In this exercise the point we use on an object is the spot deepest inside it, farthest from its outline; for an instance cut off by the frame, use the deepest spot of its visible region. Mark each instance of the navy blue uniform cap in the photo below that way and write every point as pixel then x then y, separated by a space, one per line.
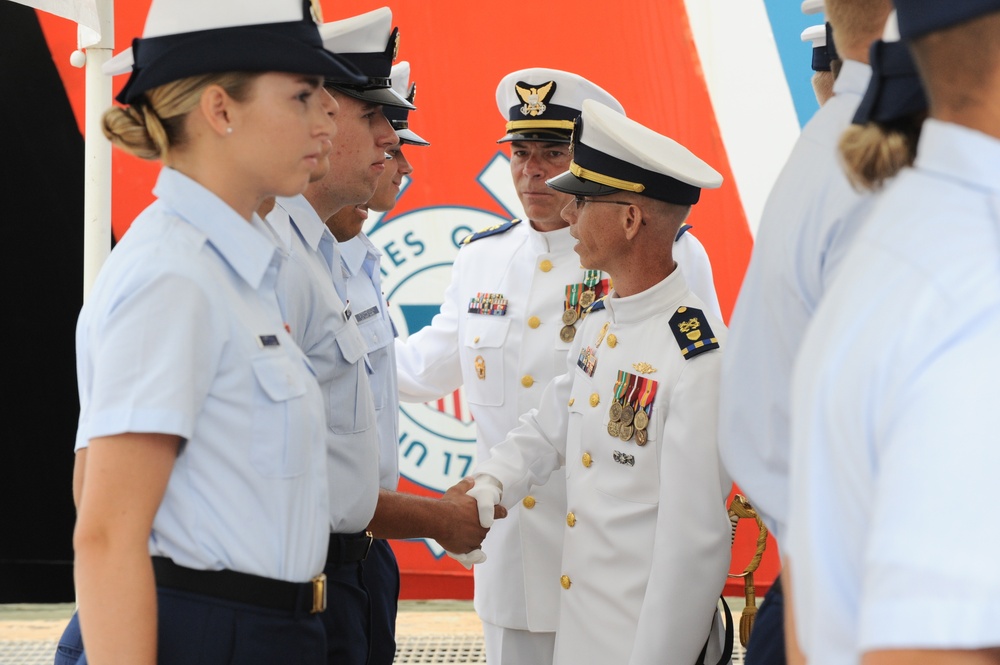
pixel 919 17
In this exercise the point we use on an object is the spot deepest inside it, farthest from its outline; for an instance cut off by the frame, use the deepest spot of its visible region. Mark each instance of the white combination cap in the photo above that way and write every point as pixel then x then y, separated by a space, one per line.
pixel 813 6
pixel 370 43
pixel 397 115
pixel 541 104
pixel 184 38
pixel 612 153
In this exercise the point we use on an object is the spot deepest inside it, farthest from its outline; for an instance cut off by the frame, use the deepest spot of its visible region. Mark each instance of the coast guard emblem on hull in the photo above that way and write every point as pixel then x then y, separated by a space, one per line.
pixel 534 97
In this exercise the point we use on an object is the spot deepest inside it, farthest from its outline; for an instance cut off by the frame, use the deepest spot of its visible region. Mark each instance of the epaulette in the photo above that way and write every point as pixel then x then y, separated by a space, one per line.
pixel 491 231
pixel 693 334
pixel 595 306
pixel 684 229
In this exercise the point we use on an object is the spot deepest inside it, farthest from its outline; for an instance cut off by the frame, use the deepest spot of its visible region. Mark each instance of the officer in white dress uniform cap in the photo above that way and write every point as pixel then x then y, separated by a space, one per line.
pixel 517 296
pixel 201 420
pixel 505 358
pixel 894 417
pixel 634 417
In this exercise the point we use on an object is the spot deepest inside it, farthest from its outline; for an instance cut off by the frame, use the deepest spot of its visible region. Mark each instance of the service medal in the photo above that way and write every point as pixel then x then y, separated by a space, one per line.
pixel 628 413
pixel 641 437
pixel 625 432
pixel 567 333
pixel 615 412
pixel 613 428
pixel 588 298
pixel 570 316
pixel 641 420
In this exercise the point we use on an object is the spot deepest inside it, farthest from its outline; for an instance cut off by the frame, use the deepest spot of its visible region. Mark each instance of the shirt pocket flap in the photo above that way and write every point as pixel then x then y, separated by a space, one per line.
pixel 352 344
pixel 278 378
pixel 486 332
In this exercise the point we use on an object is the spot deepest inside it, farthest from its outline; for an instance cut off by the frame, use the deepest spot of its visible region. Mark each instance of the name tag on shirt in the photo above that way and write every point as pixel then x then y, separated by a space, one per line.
pixel 268 340
pixel 367 314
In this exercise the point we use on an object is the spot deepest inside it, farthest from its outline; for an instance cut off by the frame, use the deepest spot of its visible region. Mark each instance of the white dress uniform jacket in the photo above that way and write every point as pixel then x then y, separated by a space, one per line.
pixel 895 419
pixel 182 335
pixel 361 266
pixel 804 217
pixel 646 533
pixel 520 352
pixel 323 324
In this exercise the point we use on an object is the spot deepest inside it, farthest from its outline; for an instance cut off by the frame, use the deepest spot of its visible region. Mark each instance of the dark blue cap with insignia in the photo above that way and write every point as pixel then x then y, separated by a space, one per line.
pixel 920 17
pixel 184 38
pixel 541 104
pixel 612 153
pixel 370 43
pixel 894 90
pixel 397 115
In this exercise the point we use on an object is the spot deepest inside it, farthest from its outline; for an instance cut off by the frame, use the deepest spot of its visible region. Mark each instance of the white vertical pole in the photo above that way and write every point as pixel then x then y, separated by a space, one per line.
pixel 97 152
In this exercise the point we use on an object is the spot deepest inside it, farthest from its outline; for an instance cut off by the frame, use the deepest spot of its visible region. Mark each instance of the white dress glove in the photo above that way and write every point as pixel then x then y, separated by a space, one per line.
pixel 468 559
pixel 486 492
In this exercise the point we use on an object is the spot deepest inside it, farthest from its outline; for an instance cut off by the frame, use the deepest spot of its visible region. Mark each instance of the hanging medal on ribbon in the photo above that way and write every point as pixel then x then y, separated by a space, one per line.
pixel 627 429
pixel 571 313
pixel 641 419
pixel 615 412
pixel 590 281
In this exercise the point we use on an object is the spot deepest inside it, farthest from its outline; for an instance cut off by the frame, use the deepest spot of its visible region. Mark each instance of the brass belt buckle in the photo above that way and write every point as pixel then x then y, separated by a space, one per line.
pixel 319 593
pixel 371 539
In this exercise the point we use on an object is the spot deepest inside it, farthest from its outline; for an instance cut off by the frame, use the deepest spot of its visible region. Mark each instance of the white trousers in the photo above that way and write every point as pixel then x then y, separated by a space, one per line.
pixel 508 646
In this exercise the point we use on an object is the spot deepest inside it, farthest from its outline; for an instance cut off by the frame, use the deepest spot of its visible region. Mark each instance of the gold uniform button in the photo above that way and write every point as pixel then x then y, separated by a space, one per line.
pixel 475 340
pixel 571 519
pixel 534 322
pixel 527 381
pixel 612 341
pixel 595 399
pixel 571 400
pixel 565 581
pixel 587 459
pixel 528 502
pixel 545 265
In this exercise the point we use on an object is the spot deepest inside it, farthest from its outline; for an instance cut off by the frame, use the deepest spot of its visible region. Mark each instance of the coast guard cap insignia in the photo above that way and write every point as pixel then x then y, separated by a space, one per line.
pixel 692 332
pixel 534 97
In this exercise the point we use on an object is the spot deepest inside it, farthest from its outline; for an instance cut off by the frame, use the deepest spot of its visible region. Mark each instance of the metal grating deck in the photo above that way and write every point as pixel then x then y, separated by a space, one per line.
pixel 409 649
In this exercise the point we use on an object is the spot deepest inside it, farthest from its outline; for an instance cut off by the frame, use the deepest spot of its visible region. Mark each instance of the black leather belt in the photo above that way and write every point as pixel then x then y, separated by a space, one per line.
pixel 243 588
pixel 348 547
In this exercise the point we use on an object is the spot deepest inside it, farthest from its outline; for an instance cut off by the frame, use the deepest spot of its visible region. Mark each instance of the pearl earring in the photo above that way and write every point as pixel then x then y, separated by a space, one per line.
pixel 229 130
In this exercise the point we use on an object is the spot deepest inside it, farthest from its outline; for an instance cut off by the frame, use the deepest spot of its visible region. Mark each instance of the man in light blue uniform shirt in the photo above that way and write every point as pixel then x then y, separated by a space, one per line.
pixel 453 519
pixel 781 289
pixel 319 313
pixel 891 549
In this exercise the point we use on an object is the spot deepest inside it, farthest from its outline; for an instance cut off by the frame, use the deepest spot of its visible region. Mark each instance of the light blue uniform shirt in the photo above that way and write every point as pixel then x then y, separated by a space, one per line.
pixel 361 265
pixel 182 335
pixel 324 324
pixel 895 419
pixel 803 216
